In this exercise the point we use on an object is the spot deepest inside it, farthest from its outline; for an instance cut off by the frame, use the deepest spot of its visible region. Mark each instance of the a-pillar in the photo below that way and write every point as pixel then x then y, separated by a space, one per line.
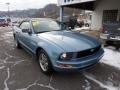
pixel 61 16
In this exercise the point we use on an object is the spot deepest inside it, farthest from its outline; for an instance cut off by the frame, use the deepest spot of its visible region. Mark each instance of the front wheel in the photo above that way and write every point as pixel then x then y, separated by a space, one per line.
pixel 44 62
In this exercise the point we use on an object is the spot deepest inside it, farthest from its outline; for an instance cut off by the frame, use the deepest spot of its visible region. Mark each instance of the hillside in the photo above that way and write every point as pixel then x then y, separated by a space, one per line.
pixel 50 10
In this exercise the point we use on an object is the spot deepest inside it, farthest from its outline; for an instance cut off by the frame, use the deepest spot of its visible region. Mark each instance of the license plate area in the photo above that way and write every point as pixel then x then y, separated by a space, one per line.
pixel 114 37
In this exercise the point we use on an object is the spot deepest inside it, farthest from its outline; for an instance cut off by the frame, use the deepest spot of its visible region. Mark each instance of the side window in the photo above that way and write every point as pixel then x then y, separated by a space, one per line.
pixel 25 26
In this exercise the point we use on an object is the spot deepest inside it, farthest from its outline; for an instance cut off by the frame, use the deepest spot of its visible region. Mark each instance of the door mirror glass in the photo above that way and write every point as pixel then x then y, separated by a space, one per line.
pixel 25 30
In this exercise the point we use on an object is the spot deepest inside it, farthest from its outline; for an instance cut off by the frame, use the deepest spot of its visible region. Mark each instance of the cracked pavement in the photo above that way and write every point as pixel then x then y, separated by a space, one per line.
pixel 20 71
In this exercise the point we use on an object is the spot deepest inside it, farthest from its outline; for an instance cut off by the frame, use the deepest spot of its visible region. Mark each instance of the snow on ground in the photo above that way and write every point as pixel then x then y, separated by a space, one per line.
pixel 111 57
pixel 108 86
pixel 87 86
pixel 82 28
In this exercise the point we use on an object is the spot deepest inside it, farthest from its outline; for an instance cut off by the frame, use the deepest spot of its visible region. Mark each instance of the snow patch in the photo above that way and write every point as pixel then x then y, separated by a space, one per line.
pixel 18 62
pixel 109 85
pixel 8 34
pixel 10 56
pixel 82 28
pixel 111 58
pixel 87 85
pixel 2 67
pixel 5 82
pixel 49 86
pixel 29 86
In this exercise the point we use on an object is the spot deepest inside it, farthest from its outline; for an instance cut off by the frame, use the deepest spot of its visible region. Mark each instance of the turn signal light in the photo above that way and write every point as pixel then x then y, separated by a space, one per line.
pixel 65 65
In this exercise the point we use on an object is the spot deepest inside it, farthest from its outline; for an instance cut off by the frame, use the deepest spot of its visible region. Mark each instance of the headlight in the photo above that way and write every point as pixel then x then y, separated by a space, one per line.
pixel 66 56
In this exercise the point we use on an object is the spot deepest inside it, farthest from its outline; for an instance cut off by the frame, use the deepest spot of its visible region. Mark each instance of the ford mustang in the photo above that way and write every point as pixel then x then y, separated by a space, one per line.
pixel 57 49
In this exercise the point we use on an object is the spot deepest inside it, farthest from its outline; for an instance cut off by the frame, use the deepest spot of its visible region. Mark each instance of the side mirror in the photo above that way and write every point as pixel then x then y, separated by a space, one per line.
pixel 25 30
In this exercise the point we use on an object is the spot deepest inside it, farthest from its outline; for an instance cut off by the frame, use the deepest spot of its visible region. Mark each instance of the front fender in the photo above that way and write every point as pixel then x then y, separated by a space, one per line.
pixel 51 49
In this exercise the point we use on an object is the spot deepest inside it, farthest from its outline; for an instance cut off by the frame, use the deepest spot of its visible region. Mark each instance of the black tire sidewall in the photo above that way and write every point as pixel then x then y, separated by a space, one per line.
pixel 17 43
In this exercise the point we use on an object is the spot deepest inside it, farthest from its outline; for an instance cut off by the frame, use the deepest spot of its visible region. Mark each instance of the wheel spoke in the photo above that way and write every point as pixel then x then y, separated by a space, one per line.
pixel 43 62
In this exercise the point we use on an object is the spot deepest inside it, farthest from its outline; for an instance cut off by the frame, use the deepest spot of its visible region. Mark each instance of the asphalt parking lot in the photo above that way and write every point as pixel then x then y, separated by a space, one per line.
pixel 20 71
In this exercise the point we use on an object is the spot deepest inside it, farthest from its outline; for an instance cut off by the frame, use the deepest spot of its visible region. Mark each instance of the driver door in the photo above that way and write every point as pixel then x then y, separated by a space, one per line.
pixel 24 35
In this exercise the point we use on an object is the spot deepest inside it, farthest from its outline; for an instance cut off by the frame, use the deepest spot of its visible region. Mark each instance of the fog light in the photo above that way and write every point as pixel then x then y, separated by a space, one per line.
pixel 70 66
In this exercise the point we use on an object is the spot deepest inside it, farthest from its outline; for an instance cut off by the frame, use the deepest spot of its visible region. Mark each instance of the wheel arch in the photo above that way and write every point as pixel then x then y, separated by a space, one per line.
pixel 41 48
pixel 38 49
pixel 14 35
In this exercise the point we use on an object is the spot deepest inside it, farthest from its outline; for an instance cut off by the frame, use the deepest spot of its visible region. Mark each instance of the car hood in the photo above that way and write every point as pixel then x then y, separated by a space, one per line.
pixel 70 41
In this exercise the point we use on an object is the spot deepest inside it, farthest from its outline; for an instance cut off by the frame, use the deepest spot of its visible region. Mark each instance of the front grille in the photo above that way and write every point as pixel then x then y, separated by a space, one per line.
pixel 88 52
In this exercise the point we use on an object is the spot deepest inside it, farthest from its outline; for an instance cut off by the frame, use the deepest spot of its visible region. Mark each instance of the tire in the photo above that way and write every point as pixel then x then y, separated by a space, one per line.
pixel 117 47
pixel 17 44
pixel 44 62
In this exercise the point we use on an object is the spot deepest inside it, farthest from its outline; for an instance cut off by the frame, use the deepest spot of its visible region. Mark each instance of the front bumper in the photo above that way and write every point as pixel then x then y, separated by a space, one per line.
pixel 79 64
pixel 109 37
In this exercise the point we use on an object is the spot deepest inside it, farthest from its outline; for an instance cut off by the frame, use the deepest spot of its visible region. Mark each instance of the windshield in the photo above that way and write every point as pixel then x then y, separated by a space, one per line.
pixel 45 26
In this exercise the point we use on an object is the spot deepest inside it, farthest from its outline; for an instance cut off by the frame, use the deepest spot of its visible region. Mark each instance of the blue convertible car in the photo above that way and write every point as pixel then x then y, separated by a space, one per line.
pixel 56 49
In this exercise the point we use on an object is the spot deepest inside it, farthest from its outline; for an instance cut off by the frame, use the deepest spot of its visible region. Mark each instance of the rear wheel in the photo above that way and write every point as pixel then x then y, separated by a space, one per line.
pixel 44 62
pixel 17 44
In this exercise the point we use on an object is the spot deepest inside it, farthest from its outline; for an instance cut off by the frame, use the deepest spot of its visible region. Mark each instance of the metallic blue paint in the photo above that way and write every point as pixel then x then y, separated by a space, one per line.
pixel 57 42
